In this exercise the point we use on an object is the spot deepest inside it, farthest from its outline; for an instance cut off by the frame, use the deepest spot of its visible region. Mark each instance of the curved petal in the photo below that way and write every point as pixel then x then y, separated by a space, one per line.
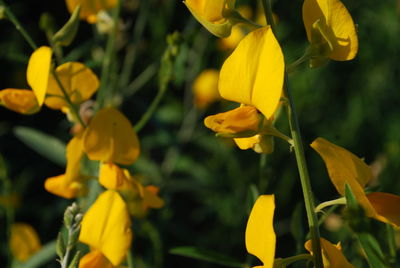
pixel 209 10
pixel 387 207
pixel 19 100
pixel 260 234
pixel 344 167
pixel 24 241
pixel 244 118
pixel 94 259
pixel 110 138
pixel 106 227
pixel 90 8
pixel 62 185
pixel 38 72
pixel 338 24
pixel 253 73
pixel 333 256
pixel 79 82
pixel 112 176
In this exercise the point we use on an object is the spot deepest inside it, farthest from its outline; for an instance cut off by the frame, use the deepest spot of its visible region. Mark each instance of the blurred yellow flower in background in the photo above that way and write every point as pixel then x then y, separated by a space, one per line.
pixel 90 8
pixel 205 88
pixel 346 168
pixel 24 241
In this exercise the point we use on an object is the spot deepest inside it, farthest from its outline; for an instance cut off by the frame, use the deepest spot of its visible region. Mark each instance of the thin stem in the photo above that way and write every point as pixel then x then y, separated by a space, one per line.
pixel 18 25
pixel 287 261
pixel 67 99
pixel 300 158
pixel 339 201
pixel 306 56
pixel 108 58
pixel 263 183
pixel 391 243
pixel 130 260
pixel 153 106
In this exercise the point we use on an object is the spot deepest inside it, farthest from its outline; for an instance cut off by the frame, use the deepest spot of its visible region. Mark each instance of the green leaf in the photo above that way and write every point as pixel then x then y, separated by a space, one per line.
pixel 351 200
pixel 374 254
pixel 44 255
pixel 206 255
pixel 45 145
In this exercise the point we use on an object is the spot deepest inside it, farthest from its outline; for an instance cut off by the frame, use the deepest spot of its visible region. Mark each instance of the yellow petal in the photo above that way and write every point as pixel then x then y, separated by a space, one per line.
pixel 253 73
pixel 260 234
pixel 110 138
pixel 333 256
pixel 111 176
pixel 19 100
pixel 90 8
pixel 244 118
pixel 94 259
pixel 337 23
pixel 344 167
pixel 79 82
pixel 205 88
pixel 210 10
pixel 38 72
pixel 24 241
pixel 70 184
pixel 262 144
pixel 387 207
pixel 106 227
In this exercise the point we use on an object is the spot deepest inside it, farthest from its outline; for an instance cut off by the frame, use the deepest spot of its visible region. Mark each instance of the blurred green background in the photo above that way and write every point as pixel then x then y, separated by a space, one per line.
pixel 209 184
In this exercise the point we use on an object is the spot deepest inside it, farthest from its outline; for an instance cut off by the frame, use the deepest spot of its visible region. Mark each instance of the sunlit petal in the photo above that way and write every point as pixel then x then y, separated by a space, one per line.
pixel 19 100
pixel 95 259
pixel 260 234
pixel 106 227
pixel 253 73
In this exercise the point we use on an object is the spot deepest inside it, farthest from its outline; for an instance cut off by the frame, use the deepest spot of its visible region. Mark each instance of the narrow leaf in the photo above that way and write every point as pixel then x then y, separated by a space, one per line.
pixel 48 146
pixel 44 255
pixel 206 255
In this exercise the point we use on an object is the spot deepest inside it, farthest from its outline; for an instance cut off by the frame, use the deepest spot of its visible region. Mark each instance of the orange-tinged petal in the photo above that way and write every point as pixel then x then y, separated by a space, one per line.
pixel 94 259
pixel 90 8
pixel 70 184
pixel 333 256
pixel 337 23
pixel 253 73
pixel 111 176
pixel 38 72
pixel 344 167
pixel 387 207
pixel 151 198
pixel 260 234
pixel 205 88
pixel 244 118
pixel 19 100
pixel 79 82
pixel 106 227
pixel 24 241
pixel 110 138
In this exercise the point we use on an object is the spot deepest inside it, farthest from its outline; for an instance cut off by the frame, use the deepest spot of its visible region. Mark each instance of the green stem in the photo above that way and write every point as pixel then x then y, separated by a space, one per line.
pixel 145 118
pixel 300 158
pixel 108 58
pixel 130 260
pixel 18 25
pixel 306 56
pixel 67 99
pixel 339 201
pixel 287 261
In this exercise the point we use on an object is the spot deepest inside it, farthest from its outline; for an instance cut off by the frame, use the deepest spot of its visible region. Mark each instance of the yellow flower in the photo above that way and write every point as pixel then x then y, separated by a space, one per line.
pixel 346 168
pixel 79 82
pixel 332 254
pixel 205 88
pixel 24 241
pixel 330 29
pixel 138 198
pixel 110 138
pixel 106 227
pixel 90 8
pixel 95 259
pixel 70 184
pixel 253 76
pixel 26 101
pixel 19 100
pixel 212 14
pixel 260 234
